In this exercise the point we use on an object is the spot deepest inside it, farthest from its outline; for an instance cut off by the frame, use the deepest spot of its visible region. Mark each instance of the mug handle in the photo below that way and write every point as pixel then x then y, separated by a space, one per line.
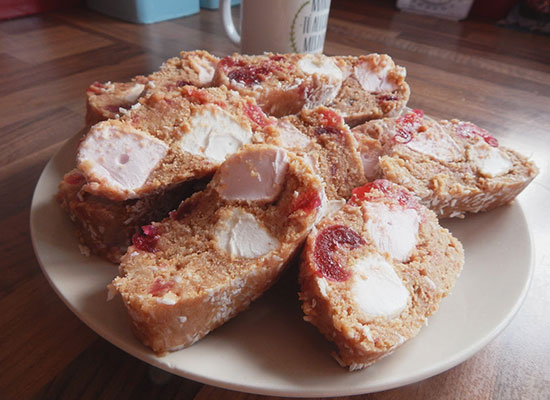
pixel 227 21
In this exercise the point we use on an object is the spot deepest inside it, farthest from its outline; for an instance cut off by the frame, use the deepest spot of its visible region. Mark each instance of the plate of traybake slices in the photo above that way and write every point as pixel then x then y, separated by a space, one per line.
pixel 202 290
pixel 269 349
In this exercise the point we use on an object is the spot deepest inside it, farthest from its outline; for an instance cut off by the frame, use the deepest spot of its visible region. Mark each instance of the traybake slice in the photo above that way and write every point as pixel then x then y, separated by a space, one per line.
pixel 373 87
pixel 221 249
pixel 106 100
pixel 361 88
pixel 454 167
pixel 166 139
pixel 373 272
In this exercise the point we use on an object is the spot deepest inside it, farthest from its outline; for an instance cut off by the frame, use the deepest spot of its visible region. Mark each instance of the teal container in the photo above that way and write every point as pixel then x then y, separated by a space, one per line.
pixel 145 11
pixel 215 4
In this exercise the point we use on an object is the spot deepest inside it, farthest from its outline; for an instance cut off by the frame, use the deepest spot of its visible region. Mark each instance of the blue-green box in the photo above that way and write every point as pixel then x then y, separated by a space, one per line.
pixel 215 4
pixel 145 11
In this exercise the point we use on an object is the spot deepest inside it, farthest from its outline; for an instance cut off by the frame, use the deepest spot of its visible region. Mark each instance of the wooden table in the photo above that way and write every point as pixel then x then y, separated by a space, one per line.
pixel 472 70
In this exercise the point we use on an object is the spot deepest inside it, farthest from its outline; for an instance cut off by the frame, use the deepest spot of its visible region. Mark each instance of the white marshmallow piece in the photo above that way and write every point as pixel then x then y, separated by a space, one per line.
pixel 320 64
pixel 119 157
pixel 490 161
pixel 133 93
pixel 253 175
pixel 168 298
pixel 373 81
pixel 328 207
pixel 239 234
pixel 327 78
pixel 214 134
pixel 324 288
pixel 333 206
pixel 394 230
pixel 291 138
pixel 204 68
pixel 370 158
pixel 370 151
pixel 371 164
pixel 377 288
pixel 435 143
pixel 322 211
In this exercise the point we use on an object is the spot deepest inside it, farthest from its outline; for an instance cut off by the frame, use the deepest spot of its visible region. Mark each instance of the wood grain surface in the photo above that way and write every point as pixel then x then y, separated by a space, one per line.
pixel 471 70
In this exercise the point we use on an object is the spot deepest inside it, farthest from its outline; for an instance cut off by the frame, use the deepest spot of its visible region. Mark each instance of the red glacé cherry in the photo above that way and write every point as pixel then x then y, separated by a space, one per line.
pixel 307 201
pixel 148 240
pixel 114 108
pixel 228 62
pixel 467 130
pixel 330 117
pixel 362 193
pixel 75 178
pixel 407 125
pixel 183 83
pixel 96 87
pixel 330 122
pixel 249 74
pixel 328 240
pixel 159 287
pixel 387 97
pixel 240 71
pixel 256 115
pixel 200 96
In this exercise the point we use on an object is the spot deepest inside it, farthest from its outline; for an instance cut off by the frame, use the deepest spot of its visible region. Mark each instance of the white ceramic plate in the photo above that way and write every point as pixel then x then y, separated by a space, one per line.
pixel 269 349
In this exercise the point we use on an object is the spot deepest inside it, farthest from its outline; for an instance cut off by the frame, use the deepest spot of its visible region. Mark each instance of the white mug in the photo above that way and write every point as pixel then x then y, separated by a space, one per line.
pixel 278 26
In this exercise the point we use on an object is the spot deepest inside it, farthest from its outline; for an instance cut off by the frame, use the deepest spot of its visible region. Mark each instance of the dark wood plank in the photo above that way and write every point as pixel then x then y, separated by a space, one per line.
pixel 11 65
pixel 27 146
pixel 165 39
pixel 27 24
pixel 69 91
pixel 36 46
pixel 39 336
pixel 108 373
pixel 50 70
pixel 15 245
pixel 458 37
pixel 28 136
